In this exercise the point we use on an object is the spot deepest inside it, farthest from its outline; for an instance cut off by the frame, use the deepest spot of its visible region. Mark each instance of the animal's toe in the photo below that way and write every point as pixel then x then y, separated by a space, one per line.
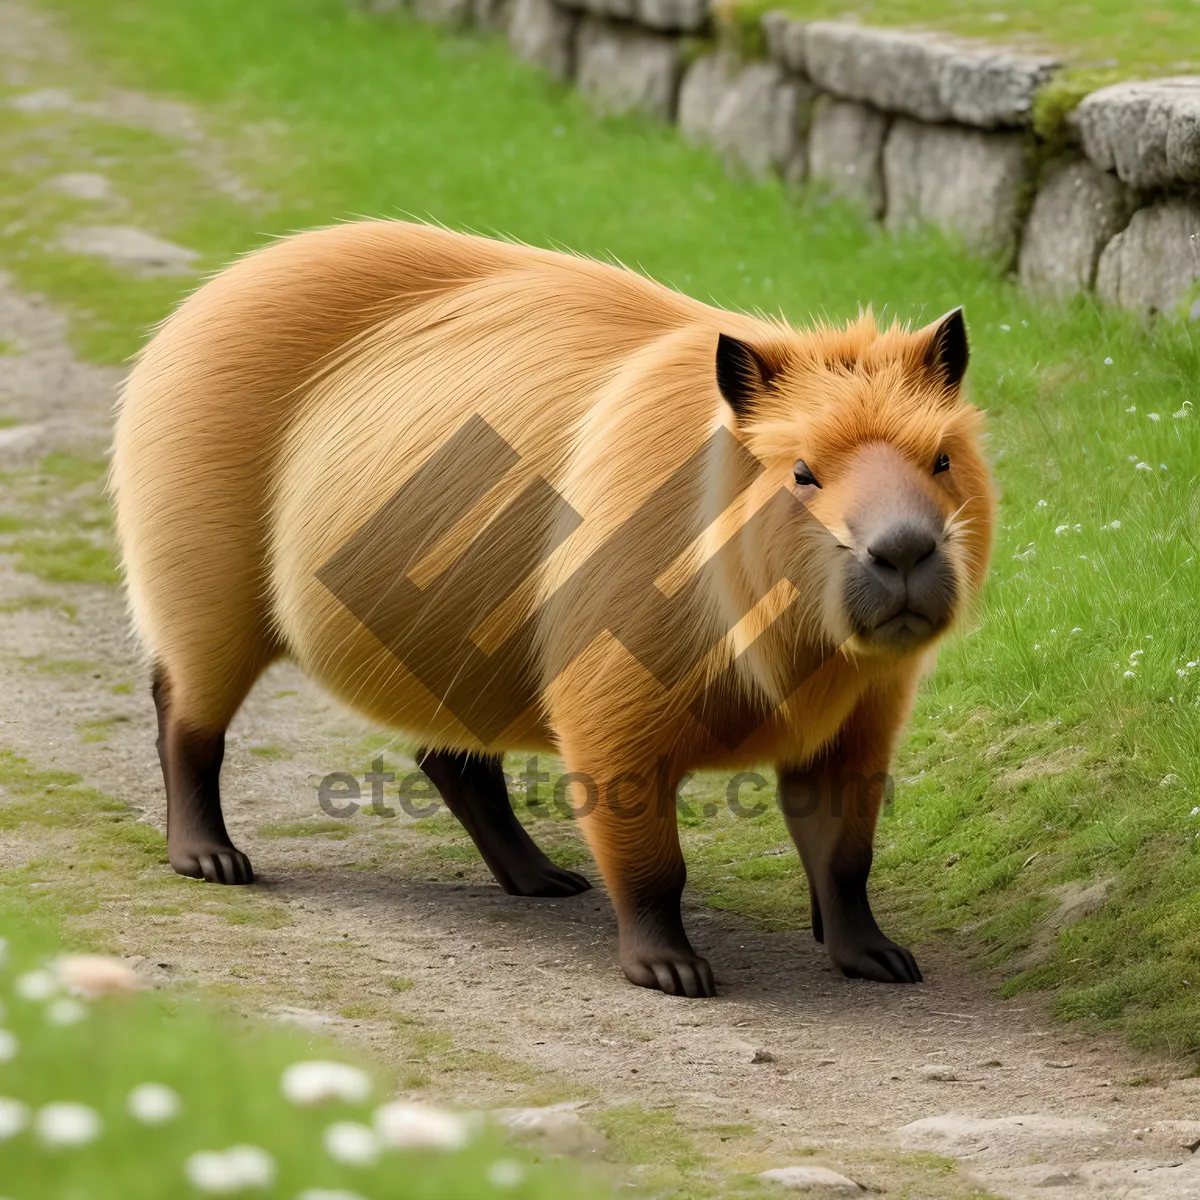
pixel 226 865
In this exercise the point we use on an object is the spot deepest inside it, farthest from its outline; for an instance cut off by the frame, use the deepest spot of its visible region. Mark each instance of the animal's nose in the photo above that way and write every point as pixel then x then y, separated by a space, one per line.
pixel 901 547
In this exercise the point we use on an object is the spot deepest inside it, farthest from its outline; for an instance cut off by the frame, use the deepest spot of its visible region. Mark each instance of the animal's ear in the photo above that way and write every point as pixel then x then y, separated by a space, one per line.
pixel 945 348
pixel 743 373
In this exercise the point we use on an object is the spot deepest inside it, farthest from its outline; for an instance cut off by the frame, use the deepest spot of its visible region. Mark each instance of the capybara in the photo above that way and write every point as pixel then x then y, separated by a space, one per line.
pixel 503 498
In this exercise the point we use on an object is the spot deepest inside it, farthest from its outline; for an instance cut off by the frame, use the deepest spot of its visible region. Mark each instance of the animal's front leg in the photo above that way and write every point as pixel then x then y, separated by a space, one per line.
pixel 831 807
pixel 629 820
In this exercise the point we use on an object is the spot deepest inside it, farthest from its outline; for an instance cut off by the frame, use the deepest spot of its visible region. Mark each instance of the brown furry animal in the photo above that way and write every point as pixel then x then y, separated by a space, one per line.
pixel 506 498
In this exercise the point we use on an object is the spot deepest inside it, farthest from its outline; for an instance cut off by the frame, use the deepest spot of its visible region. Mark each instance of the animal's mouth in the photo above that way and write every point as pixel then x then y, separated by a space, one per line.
pixel 902 630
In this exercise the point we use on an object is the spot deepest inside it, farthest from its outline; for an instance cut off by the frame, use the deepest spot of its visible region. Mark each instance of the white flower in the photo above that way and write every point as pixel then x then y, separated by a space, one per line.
pixel 65 1011
pixel 225 1172
pixel 1182 412
pixel 1059 529
pixel 328 1194
pixel 1108 362
pixel 67 1124
pixel 1130 675
pixel 1132 408
pixel 308 1083
pixel 1143 466
pixel 505 1173
pixel 1041 504
pixel 14 1116
pixel 1112 525
pixel 153 1103
pixel 1153 417
pixel 1006 328
pixel 36 986
pixel 94 975
pixel 1194 812
pixel 419 1126
pixel 1077 629
pixel 8 1045
pixel 351 1143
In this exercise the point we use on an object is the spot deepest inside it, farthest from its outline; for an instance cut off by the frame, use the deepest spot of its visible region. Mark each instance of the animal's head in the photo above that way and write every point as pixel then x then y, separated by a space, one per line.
pixel 871 433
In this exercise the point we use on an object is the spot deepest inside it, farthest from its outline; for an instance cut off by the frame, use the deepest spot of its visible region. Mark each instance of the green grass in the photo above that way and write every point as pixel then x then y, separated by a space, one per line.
pixel 994 809
pixel 227 1074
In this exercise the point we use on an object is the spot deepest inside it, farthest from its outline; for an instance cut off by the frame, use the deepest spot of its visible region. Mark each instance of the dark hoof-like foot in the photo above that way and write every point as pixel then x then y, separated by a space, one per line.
pixel 550 880
pixel 882 961
pixel 677 974
pixel 217 864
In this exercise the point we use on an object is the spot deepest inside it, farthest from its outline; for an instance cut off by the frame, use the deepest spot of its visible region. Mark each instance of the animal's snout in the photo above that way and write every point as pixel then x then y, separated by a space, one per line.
pixel 900 588
pixel 902 547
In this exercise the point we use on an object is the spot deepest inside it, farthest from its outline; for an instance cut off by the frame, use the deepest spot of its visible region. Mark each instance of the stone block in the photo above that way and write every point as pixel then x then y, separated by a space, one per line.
pixel 785 38
pixel 925 75
pixel 706 84
pixel 675 16
pixel 621 68
pixel 756 127
pixel 541 32
pixel 967 182
pixel 1148 133
pixel 1154 262
pixel 1078 210
pixel 845 151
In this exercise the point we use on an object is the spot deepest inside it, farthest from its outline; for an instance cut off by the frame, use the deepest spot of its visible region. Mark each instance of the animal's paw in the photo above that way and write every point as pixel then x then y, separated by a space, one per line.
pixel 674 972
pixel 214 864
pixel 879 959
pixel 547 880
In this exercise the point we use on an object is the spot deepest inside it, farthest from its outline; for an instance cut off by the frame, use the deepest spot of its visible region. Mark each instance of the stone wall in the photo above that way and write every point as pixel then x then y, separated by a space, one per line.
pixel 915 128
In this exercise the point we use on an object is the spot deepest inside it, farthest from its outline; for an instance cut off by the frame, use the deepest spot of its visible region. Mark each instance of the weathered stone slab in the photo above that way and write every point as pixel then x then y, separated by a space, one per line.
pixel 541 32
pixel 893 70
pixel 845 151
pixel 1148 133
pixel 1152 264
pixel 964 181
pixel 758 124
pixel 925 75
pixel 621 68
pixel 677 16
pixel 1077 212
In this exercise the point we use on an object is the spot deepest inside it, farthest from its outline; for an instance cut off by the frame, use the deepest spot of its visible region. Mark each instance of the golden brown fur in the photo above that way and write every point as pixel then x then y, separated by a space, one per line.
pixel 288 399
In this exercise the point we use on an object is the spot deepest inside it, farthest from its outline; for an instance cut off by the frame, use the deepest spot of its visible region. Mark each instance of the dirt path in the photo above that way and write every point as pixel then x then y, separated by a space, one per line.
pixel 388 932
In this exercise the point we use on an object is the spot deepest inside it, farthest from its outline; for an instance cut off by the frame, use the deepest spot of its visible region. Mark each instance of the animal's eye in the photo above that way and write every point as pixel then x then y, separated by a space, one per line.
pixel 804 477
pixel 941 464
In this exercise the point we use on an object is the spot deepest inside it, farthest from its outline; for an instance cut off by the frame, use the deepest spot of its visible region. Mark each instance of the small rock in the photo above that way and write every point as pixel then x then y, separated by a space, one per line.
pixel 553 1129
pixel 81 185
pixel 801 1179
pixel 1063 1065
pixel 762 1056
pixel 938 1072
pixel 43 100
pixel 129 248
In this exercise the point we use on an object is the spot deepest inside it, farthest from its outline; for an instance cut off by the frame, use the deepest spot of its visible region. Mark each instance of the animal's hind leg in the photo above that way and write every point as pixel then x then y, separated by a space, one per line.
pixel 198 844
pixel 475 792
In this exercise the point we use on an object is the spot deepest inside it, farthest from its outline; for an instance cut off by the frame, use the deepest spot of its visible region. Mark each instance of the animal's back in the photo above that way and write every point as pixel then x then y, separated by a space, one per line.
pixel 286 400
